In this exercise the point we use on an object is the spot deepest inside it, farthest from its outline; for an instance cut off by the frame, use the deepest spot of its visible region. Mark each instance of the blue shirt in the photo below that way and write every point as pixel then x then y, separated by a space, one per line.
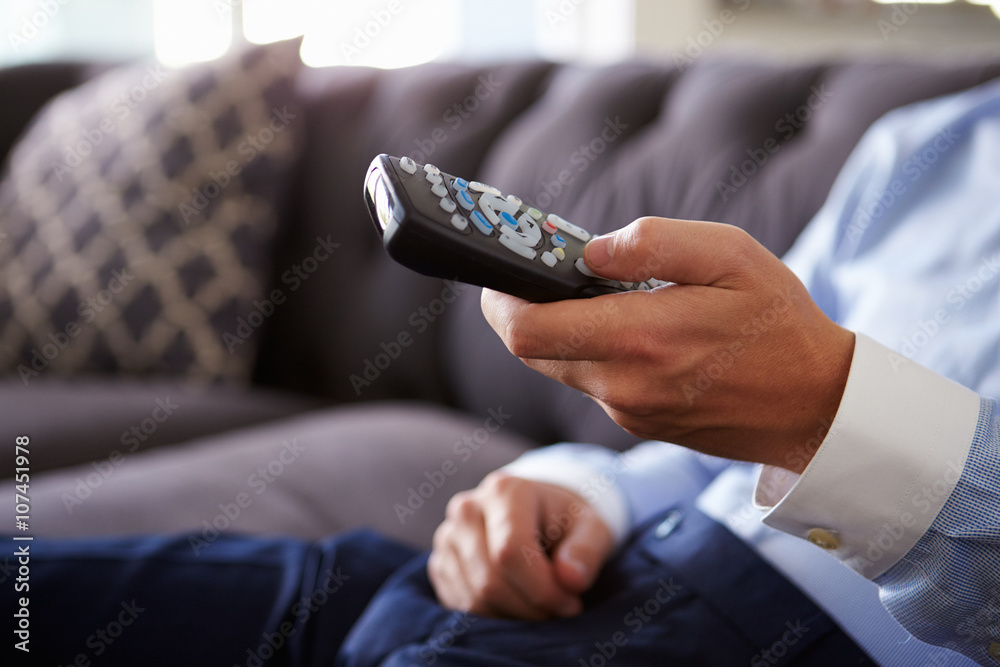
pixel 906 251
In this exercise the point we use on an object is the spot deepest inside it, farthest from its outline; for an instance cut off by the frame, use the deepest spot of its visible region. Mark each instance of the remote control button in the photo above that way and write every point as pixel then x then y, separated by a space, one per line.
pixel 516 201
pixel 581 266
pixel 549 259
pixel 480 222
pixel 465 200
pixel 535 213
pixel 524 251
pixel 448 205
pixel 440 190
pixel 431 169
pixel 569 228
pixel 527 232
pixel 653 283
pixel 459 222
pixel 434 179
pixel 549 227
pixel 558 241
pixel 531 232
pixel 559 254
pixel 492 205
pixel 507 219
pixel 408 165
pixel 460 184
pixel 476 186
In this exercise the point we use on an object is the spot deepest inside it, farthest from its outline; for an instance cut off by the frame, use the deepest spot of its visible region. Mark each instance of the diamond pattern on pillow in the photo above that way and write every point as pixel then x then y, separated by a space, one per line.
pixel 138 213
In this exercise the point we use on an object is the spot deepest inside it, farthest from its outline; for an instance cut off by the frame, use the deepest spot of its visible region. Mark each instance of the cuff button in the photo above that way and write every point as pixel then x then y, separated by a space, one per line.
pixel 669 524
pixel 994 651
pixel 824 539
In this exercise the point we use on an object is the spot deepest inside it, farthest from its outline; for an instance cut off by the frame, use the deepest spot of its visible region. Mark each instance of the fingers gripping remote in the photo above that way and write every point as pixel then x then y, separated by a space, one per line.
pixel 443 226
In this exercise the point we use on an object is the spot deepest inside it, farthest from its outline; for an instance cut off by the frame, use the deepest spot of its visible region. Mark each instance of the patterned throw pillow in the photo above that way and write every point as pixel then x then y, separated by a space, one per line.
pixel 137 214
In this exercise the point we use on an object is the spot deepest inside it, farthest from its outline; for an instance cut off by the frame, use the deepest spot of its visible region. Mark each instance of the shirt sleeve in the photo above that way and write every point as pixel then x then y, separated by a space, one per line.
pixel 624 488
pixel 946 589
pixel 887 465
pixel 905 489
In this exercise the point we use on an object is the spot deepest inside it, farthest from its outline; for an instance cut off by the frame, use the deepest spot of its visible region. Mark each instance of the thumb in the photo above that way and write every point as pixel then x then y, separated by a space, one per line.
pixel 581 553
pixel 679 251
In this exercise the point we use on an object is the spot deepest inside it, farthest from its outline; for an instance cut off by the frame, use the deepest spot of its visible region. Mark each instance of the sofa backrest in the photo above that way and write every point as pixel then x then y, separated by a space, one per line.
pixel 752 143
pixel 748 142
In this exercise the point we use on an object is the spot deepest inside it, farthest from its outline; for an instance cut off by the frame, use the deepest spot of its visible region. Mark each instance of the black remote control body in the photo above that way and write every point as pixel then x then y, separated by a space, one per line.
pixel 444 226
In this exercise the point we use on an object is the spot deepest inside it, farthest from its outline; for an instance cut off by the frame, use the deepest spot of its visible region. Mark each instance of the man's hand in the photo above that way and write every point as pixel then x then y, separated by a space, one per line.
pixel 734 359
pixel 517 548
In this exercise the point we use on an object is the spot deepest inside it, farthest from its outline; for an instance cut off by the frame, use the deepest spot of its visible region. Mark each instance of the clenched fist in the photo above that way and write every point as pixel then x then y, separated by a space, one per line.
pixel 517 548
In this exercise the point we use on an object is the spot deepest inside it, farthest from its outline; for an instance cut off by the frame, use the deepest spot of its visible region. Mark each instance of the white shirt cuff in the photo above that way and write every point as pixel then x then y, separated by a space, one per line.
pixel 592 483
pixel 886 467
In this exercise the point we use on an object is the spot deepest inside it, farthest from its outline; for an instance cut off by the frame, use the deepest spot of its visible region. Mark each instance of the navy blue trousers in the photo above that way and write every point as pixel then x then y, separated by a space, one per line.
pixel 678 593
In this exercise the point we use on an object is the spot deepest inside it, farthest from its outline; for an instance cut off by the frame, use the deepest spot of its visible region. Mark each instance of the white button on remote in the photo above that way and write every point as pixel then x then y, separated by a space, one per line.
pixel 524 251
pixel 482 187
pixel 492 206
pixel 582 267
pixel 440 190
pixel 527 232
pixel 568 227
pixel 408 165
pixel 448 205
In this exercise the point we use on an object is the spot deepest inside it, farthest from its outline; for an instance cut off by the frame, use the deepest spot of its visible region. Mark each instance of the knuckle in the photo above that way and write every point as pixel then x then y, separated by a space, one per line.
pixel 441 538
pixel 519 339
pixel 643 247
pixel 642 234
pixel 743 251
pixel 434 566
pixel 646 227
pixel 500 483
pixel 462 507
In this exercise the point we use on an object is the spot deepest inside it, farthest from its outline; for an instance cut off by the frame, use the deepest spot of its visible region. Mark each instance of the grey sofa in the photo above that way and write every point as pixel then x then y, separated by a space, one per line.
pixel 325 433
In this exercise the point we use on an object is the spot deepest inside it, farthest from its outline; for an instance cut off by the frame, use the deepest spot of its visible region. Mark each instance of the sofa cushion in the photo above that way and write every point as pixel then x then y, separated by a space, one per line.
pixel 386 466
pixel 137 214
pixel 108 420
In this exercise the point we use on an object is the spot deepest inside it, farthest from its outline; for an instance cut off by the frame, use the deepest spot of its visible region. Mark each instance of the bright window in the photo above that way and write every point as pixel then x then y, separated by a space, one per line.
pixel 382 33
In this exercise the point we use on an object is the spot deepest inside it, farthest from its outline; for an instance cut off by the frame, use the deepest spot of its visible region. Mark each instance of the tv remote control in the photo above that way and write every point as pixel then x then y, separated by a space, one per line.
pixel 444 226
